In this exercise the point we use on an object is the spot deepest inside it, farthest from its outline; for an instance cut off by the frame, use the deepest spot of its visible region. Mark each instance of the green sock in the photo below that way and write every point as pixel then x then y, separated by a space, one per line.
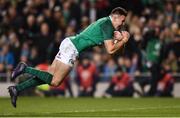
pixel 31 82
pixel 42 75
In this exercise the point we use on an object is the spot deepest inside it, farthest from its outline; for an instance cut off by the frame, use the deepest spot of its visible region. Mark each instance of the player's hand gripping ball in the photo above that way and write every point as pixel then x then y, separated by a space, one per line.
pixel 125 35
pixel 117 36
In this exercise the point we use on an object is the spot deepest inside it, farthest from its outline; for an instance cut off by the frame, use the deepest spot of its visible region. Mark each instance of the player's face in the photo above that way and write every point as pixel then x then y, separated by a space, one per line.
pixel 118 20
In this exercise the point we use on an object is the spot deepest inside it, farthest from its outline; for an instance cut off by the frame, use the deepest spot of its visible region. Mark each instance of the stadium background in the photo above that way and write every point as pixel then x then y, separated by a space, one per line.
pixel 31 31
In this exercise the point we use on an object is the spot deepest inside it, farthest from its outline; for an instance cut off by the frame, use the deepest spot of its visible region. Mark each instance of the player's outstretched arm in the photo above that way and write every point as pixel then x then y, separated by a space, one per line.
pixel 117 42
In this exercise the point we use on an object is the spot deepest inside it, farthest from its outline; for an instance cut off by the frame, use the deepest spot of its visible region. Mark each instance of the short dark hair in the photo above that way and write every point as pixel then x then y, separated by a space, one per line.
pixel 119 11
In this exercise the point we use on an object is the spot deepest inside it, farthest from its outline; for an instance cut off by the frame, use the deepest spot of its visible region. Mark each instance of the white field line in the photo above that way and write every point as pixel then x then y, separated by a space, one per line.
pixel 109 110
pixel 129 109
pixel 114 110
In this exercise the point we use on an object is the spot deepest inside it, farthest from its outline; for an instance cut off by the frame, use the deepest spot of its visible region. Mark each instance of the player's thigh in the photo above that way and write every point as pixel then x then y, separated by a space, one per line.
pixel 63 62
pixel 59 70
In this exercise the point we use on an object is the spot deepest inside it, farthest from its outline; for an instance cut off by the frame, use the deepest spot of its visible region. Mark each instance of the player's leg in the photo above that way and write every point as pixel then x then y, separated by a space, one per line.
pixel 30 82
pixel 33 81
pixel 14 90
pixel 59 70
pixel 63 62
pixel 60 67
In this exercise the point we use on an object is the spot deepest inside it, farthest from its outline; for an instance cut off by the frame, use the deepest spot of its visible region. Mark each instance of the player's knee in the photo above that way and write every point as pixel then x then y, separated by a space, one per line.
pixel 55 83
pixel 51 70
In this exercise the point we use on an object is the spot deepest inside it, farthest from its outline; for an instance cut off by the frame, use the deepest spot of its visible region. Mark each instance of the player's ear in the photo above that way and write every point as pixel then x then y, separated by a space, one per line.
pixel 122 17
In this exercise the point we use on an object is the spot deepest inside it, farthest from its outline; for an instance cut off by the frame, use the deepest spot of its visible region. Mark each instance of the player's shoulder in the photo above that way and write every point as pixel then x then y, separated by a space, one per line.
pixel 103 20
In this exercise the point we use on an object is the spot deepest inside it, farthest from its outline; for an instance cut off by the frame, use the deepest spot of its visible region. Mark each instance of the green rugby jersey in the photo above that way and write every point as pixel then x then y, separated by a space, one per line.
pixel 94 34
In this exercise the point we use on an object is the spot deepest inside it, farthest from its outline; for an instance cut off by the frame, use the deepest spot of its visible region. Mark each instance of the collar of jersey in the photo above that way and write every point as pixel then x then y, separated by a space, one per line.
pixel 110 18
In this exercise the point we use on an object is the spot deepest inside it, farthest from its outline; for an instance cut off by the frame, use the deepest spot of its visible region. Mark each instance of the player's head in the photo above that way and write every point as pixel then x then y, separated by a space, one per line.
pixel 118 16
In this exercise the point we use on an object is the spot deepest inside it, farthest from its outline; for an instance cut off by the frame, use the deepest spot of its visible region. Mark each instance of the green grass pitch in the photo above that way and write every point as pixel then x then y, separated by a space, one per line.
pixel 99 107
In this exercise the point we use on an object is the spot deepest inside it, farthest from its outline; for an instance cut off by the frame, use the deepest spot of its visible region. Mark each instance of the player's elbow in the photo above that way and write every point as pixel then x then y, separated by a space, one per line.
pixel 110 48
pixel 110 51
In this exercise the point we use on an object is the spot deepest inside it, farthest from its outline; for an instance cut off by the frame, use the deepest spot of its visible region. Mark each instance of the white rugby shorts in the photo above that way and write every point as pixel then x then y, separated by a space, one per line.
pixel 67 52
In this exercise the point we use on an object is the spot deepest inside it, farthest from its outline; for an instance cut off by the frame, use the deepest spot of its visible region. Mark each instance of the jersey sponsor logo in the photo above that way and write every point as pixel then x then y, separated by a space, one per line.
pixel 71 61
pixel 58 55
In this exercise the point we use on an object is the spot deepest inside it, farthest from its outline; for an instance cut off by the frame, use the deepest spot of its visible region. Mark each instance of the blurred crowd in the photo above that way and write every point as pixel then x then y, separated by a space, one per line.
pixel 32 30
